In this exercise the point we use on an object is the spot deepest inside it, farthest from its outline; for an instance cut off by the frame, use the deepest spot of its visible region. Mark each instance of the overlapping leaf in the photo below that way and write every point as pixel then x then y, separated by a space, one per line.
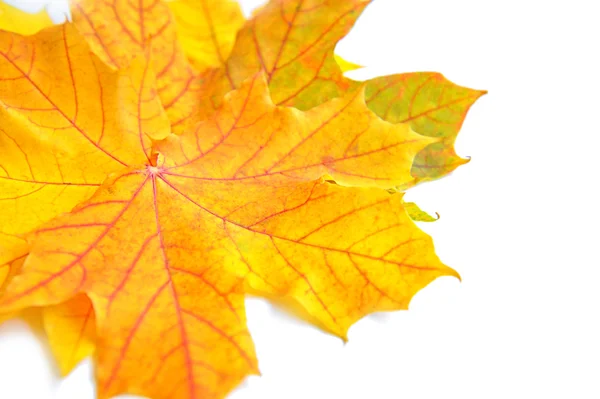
pixel 168 232
pixel 163 249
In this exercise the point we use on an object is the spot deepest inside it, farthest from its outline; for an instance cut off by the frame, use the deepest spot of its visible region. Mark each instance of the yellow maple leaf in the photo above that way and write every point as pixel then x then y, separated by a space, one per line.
pixel 166 246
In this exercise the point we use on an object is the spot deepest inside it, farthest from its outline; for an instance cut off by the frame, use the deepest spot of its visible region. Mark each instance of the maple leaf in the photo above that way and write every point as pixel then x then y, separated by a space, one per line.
pixel 294 42
pixel 165 246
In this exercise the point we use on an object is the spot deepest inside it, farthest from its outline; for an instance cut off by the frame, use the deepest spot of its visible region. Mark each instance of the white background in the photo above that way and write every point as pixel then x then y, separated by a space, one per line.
pixel 520 223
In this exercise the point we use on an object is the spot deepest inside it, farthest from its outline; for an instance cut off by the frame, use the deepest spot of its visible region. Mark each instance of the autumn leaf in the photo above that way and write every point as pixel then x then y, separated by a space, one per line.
pixel 165 247
pixel 294 42
pixel 433 106
pixel 169 232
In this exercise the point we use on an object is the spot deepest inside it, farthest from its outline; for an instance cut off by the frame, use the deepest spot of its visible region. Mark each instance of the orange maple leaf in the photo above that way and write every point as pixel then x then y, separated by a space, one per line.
pixel 167 245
